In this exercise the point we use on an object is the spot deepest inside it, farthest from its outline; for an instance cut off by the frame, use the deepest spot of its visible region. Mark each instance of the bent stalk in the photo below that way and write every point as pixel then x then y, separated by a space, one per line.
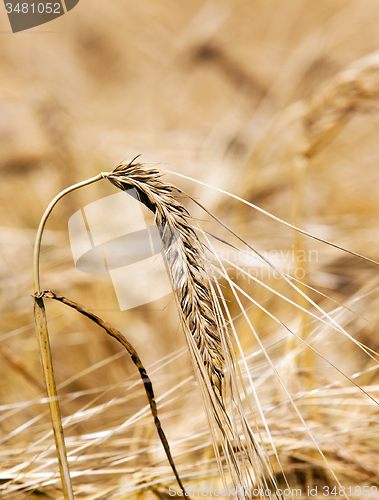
pixel 44 345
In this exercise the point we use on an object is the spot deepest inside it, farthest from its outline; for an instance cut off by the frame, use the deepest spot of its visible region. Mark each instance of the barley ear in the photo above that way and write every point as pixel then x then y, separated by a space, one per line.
pixel 238 451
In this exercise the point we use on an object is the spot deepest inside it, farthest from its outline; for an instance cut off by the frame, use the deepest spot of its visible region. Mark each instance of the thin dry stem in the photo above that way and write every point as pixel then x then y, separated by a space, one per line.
pixel 148 386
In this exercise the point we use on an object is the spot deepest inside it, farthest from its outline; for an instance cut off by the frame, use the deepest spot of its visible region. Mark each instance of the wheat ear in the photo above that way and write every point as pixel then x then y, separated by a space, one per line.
pixel 204 326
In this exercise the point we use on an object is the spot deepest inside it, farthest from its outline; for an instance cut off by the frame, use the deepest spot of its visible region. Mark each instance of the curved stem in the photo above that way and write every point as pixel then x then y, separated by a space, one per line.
pixel 37 245
pixel 44 345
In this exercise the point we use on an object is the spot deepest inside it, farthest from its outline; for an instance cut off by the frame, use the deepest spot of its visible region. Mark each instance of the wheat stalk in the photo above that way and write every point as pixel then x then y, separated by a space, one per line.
pixel 44 345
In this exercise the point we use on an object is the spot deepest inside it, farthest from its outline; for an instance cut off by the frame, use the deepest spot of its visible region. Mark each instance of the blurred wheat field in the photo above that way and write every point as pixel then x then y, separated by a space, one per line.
pixel 265 100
